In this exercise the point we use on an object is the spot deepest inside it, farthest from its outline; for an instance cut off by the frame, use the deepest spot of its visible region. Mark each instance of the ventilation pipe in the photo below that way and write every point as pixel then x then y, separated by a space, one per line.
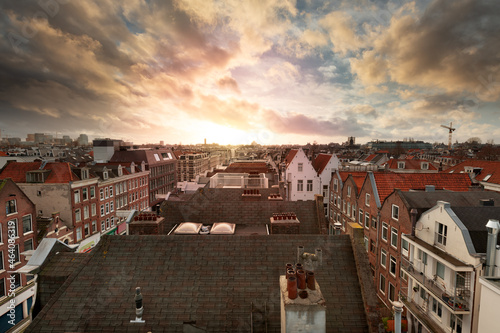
pixel 493 227
pixel 398 308
pixel 138 306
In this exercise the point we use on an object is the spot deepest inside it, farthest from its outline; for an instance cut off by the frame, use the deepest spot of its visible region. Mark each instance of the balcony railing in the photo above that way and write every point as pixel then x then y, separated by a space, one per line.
pixel 457 299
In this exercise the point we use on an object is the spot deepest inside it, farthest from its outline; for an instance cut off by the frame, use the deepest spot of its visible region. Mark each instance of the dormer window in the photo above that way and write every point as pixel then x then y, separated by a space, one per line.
pixel 105 175
pixel 401 165
pixel 37 176
pixel 425 166
pixel 120 171
pixel 85 174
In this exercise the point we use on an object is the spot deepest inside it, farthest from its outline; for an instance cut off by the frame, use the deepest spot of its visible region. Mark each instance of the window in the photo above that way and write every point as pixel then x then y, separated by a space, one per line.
pixel 348 209
pixel 354 212
pixel 309 185
pixel 382 284
pixel 325 191
pixel 107 207
pixel 94 209
pixel 112 221
pixel 300 186
pixel 111 191
pixel 10 207
pixel 367 220
pixel 335 184
pixel 85 194
pixel 300 167
pixel 385 229
pixel 94 226
pixel 102 210
pixel 112 206
pixel 395 212
pixel 366 243
pixel 2 288
pixel 101 194
pixel 441 233
pixel 422 256
pixel 103 226
pixel 392 267
pixel 92 192
pixel 106 193
pixel 105 175
pixel 392 292
pixel 87 230
pixel 77 196
pixel 440 270
pixel 403 275
pixel 107 223
pixel 425 166
pixel 360 219
pixel 17 280
pixel 437 308
pixel 28 245
pixel 78 233
pixel 367 199
pixel 1 262
pixel 374 222
pixel 404 247
pixel 372 246
pixel 401 165
pixel 86 212
pixel 349 191
pixel 78 215
pixel 383 258
pixel 394 237
pixel 14 255
pixel 27 225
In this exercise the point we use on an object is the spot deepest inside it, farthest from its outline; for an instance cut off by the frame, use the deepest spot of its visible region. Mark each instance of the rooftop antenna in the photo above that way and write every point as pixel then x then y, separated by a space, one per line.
pixel 451 129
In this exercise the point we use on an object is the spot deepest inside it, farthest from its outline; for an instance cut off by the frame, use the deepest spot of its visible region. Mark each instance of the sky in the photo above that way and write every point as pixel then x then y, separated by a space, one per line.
pixel 237 71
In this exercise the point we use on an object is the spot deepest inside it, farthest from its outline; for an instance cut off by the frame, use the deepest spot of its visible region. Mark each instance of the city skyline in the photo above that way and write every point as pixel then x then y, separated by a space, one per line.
pixel 272 72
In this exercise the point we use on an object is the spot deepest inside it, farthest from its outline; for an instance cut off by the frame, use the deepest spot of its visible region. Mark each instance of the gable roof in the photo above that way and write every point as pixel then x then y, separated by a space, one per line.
pixel 387 182
pixel 60 172
pixel 487 168
pixel 357 176
pixel 211 281
pixel 320 162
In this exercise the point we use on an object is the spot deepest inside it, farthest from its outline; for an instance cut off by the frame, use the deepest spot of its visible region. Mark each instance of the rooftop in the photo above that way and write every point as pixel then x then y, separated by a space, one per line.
pixel 207 282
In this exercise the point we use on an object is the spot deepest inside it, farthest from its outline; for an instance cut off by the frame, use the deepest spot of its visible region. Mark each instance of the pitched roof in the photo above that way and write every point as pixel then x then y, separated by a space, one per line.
pixel 426 200
pixel 209 281
pixel 290 156
pixel 151 156
pixel 60 172
pixel 370 157
pixel 491 168
pixel 247 167
pixel 357 176
pixel 475 219
pixel 386 182
pixel 410 164
pixel 321 161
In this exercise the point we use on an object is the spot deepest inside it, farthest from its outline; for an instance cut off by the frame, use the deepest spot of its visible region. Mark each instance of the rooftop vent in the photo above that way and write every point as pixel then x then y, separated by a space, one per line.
pixel 223 228
pixel 487 202
pixel 188 228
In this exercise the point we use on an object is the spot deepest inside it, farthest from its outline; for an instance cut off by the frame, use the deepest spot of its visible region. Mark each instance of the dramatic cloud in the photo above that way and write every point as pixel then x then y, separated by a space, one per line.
pixel 271 71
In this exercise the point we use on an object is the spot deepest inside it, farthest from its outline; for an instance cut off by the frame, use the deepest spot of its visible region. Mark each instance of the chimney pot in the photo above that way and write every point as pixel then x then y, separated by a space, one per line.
pixel 301 279
pixel 292 287
pixel 311 281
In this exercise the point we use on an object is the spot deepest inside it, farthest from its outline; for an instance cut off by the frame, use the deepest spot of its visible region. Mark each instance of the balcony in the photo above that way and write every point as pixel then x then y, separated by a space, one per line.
pixel 421 316
pixel 456 300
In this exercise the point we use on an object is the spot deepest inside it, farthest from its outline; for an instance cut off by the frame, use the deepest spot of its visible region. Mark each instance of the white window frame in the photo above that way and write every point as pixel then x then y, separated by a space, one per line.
pixel 441 235
pixel 385 229
pixel 300 167
pixel 393 266
pixel 77 196
pixel 395 212
pixel 394 233
pixel 300 186
pixel 383 258
pixel 31 224
pixel 382 278
pixel 367 199
pixel 309 185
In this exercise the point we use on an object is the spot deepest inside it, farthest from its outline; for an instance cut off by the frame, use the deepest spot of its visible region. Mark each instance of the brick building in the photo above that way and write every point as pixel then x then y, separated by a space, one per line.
pixel 161 164
pixel 17 237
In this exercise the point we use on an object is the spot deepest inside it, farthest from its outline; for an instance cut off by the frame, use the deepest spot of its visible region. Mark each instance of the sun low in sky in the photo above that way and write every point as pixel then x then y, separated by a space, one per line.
pixel 269 71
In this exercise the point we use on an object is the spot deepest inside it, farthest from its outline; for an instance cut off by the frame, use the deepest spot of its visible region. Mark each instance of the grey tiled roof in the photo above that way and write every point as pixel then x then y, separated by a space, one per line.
pixel 475 219
pixel 208 282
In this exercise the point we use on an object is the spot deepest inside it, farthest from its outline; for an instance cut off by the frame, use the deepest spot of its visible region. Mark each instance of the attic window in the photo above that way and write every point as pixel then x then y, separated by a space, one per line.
pixel 105 175
pixel 188 228
pixel 485 179
pixel 401 165
pixel 425 166
pixel 85 174
pixel 37 176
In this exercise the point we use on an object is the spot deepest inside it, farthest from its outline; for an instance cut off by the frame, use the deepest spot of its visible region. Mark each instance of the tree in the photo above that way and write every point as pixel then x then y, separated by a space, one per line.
pixel 474 140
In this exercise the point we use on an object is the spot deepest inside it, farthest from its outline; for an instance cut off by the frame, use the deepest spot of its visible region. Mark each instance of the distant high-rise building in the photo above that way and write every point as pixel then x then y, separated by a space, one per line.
pixel 83 140
pixel 39 138
pixel 30 137
pixel 104 149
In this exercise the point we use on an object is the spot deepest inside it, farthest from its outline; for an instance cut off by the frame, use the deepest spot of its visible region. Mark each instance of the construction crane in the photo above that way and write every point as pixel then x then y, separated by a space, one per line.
pixel 451 129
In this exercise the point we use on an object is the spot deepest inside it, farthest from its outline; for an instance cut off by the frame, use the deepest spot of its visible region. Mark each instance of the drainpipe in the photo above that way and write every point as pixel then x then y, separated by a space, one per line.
pixel 413 218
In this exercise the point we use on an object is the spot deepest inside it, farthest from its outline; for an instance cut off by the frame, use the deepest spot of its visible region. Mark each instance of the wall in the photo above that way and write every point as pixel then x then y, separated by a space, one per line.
pixel 53 198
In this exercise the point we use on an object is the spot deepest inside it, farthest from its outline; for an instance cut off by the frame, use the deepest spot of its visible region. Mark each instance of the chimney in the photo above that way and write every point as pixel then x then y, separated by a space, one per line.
pixel 139 309
pixel 430 188
pixel 306 313
pixel 493 227
pixel 413 218
pixel 398 308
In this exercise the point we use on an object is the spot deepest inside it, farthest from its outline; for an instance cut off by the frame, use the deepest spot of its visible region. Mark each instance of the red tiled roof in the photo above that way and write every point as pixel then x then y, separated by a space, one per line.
pixel 290 156
pixel 61 171
pixel 2 153
pixel 358 177
pixel 247 167
pixel 320 162
pixel 387 182
pixel 382 152
pixel 370 157
pixel 488 168
pixel 410 164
